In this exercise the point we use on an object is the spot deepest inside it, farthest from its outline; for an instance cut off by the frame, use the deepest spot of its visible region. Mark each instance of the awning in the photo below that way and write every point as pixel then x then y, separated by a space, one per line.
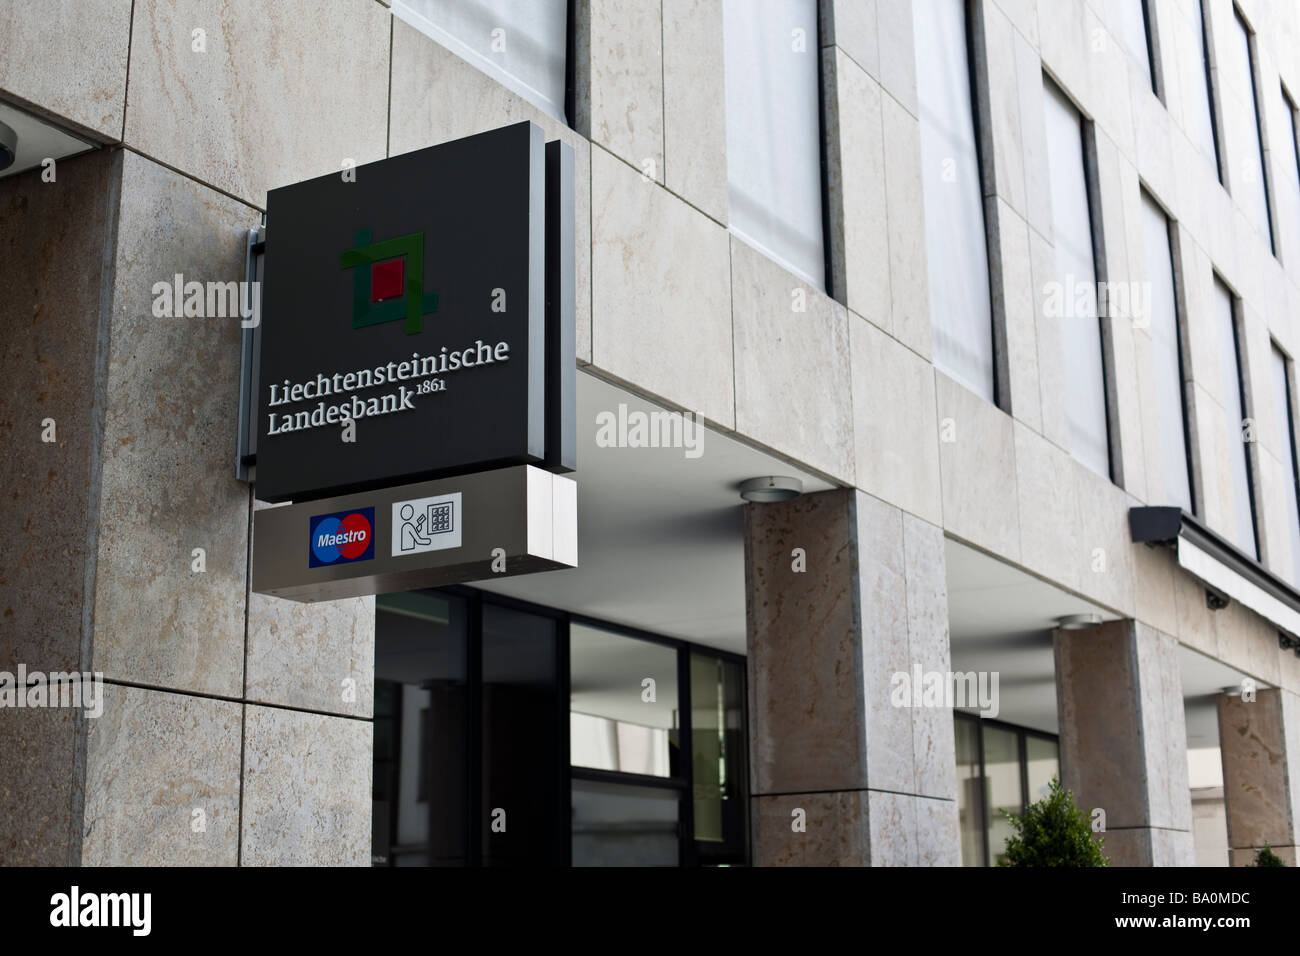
pixel 1227 572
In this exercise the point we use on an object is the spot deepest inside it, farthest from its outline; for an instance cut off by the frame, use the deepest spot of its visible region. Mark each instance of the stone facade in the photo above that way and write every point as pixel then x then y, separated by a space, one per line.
pixel 671 306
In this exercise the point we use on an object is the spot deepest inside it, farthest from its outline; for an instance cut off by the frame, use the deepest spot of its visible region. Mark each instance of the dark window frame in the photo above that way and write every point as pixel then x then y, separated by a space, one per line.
pixel 981 110
pixel 571 65
pixel 824 166
pixel 1153 50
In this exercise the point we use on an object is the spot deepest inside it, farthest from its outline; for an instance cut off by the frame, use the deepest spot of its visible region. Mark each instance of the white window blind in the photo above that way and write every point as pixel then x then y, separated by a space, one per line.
pixel 520 44
pixel 1285 445
pixel 1084 379
pixel 1131 18
pixel 774 131
pixel 1243 531
pixel 955 238
pixel 1168 369
pixel 1250 156
pixel 1289 167
pixel 1199 109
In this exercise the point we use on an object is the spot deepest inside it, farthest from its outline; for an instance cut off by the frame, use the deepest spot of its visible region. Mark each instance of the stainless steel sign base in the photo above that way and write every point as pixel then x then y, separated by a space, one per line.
pixel 477 527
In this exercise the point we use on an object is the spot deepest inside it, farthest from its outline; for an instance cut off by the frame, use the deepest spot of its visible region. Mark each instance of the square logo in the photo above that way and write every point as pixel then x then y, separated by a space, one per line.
pixel 426 524
pixel 343 537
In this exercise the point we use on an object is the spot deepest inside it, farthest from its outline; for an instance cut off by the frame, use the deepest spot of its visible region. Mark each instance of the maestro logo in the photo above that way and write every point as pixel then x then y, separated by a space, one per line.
pixel 342 537
pixel 388 281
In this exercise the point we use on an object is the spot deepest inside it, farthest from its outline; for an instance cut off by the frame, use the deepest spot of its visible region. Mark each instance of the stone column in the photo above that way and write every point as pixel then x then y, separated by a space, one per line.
pixel 1124 739
pixel 1260 744
pixel 234 728
pixel 54 282
pixel 843 592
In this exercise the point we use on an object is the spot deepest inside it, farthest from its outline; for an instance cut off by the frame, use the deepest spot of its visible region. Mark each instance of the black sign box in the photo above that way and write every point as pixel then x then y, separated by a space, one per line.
pixel 417 319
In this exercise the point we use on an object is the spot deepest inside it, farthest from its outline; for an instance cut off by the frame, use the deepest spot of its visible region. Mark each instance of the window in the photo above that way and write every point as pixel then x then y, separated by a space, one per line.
pixel 774 142
pixel 1166 343
pixel 622 824
pixel 657 748
pixel 519 738
pixel 1134 22
pixel 1002 786
pixel 521 45
pixel 1042 765
pixel 1254 181
pixel 1202 123
pixel 1289 195
pixel 970 790
pixel 718 757
pixel 1232 393
pixel 612 724
pixel 956 242
pixel 999 767
pixel 599 747
pixel 1284 445
pixel 467 724
pixel 422 711
pixel 1076 278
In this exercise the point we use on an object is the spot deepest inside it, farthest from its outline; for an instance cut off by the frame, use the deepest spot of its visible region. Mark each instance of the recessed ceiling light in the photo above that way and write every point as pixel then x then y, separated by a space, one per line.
pixel 771 488
pixel 1078 622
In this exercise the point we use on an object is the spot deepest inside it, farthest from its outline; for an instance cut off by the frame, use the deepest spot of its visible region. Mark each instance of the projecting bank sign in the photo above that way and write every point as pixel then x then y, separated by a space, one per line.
pixel 409 327
pixel 415 372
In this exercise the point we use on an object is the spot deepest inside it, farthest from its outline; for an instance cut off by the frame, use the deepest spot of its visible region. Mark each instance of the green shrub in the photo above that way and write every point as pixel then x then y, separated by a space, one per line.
pixel 1052 832
pixel 1266 857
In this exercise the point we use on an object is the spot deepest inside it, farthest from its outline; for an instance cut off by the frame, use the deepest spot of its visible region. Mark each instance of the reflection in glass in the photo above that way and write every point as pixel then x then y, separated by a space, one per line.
pixel 718 754
pixel 520 750
pixel 622 703
pixel 618 824
pixel 1002 785
pixel 420 722
pixel 970 803
pixel 1044 763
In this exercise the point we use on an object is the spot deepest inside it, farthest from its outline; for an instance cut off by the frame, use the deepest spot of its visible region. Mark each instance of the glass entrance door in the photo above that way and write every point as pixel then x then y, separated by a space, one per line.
pixel 469 740
pixel 508 734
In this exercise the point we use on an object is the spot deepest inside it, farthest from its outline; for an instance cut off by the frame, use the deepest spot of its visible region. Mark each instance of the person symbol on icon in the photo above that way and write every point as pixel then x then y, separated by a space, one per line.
pixel 411 529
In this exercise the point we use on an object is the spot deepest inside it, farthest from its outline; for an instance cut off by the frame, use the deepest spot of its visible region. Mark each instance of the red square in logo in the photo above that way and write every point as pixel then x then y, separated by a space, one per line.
pixel 387 279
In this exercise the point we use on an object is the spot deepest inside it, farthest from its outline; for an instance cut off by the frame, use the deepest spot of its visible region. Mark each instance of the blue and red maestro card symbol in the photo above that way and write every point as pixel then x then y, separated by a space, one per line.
pixel 342 537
